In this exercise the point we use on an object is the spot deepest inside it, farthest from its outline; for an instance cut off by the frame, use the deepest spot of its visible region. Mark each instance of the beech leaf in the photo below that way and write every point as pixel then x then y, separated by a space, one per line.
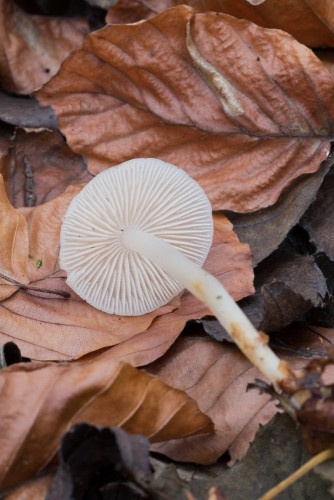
pixel 33 47
pixel 195 363
pixel 242 109
pixel 41 401
pixel 13 246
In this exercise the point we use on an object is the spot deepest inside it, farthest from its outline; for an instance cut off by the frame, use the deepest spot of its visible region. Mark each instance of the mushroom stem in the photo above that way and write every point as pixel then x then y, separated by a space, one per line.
pixel 210 291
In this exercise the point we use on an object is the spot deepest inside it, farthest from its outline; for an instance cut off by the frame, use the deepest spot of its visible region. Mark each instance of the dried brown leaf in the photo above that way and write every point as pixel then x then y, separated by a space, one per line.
pixel 33 47
pixel 216 376
pixel 242 109
pixel 41 401
pixel 310 21
pixel 13 245
pixel 47 327
pixel 40 166
pixel 276 453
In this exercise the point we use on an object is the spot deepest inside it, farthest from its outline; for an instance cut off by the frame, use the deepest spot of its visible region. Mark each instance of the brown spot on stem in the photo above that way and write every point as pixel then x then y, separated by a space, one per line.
pixel 198 291
pixel 263 337
pixel 239 336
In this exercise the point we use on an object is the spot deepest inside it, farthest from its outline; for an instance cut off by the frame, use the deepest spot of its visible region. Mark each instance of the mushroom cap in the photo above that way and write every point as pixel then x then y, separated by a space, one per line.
pixel 146 194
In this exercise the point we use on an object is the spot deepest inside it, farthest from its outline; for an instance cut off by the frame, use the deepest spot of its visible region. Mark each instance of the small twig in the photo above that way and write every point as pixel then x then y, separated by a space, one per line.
pixel 23 286
pixel 313 462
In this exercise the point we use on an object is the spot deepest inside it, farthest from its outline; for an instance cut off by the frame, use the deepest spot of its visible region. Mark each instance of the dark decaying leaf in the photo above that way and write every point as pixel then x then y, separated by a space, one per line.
pixel 110 464
pixel 9 355
pixel 304 340
pixel 287 285
pixel 26 112
pixel 96 460
pixel 309 21
pixel 327 58
pixel 319 218
pixel 6 134
pixel 277 451
pixel 33 47
pixel 39 166
pixel 244 110
pixel 41 401
pixel 265 229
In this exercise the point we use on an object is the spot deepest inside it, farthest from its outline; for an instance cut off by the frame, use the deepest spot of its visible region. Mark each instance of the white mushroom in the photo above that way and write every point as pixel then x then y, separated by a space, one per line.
pixel 138 234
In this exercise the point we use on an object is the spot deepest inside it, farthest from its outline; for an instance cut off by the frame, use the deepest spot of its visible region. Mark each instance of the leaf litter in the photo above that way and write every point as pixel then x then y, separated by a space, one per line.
pixel 252 121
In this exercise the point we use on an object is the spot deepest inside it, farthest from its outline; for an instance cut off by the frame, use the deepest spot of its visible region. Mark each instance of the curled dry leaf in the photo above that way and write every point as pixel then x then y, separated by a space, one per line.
pixel 195 364
pixel 309 21
pixel 33 47
pixel 287 286
pixel 47 327
pixel 13 245
pixel 277 452
pixel 242 109
pixel 26 112
pixel 39 166
pixel 86 450
pixel 100 393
